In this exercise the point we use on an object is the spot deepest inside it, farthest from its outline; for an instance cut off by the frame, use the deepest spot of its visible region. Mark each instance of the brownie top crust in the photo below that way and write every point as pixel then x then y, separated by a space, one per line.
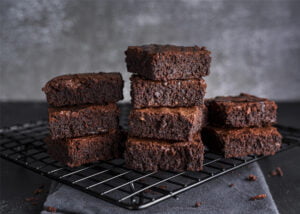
pixel 196 139
pixel 154 48
pixel 242 98
pixel 187 112
pixel 111 107
pixel 163 144
pixel 111 134
pixel 136 77
pixel 239 132
pixel 74 81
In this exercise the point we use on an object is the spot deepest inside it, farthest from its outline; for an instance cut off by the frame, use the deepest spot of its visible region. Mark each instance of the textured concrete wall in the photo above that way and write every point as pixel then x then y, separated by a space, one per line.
pixel 255 43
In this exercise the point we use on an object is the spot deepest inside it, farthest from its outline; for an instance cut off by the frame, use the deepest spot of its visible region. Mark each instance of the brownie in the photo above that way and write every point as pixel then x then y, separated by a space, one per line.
pixel 167 62
pixel 204 115
pixel 171 93
pixel 77 121
pixel 178 124
pixel 241 111
pixel 242 142
pixel 152 155
pixel 88 88
pixel 78 151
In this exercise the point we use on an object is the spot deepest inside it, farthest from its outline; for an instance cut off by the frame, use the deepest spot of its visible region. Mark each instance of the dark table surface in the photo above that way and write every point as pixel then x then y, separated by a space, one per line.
pixel 17 183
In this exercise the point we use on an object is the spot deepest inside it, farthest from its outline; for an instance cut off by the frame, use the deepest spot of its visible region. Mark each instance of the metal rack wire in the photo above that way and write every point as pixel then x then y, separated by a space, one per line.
pixel 110 180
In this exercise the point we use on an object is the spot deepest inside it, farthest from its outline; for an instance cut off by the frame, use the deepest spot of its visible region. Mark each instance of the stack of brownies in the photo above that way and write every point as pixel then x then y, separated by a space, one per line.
pixel 84 117
pixel 241 125
pixel 167 93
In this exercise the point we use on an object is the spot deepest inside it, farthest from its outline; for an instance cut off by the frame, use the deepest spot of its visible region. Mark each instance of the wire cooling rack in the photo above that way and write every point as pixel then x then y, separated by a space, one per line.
pixel 110 180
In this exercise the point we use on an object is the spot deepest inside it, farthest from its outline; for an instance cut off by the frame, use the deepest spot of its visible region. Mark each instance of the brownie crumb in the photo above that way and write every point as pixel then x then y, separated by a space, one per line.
pixel 39 190
pixel 231 185
pixel 277 172
pixel 162 187
pixel 251 178
pixel 149 191
pixel 51 209
pixel 273 173
pixel 154 192
pixel 258 197
pixel 30 199
pixel 197 204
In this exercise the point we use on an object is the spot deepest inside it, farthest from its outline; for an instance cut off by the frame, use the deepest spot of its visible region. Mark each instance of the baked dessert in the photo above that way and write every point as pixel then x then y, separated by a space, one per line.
pixel 241 111
pixel 168 62
pixel 242 142
pixel 178 124
pixel 77 121
pixel 152 155
pixel 88 88
pixel 173 93
pixel 78 151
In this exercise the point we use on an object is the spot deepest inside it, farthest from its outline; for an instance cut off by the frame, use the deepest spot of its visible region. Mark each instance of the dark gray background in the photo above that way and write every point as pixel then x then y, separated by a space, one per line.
pixel 255 43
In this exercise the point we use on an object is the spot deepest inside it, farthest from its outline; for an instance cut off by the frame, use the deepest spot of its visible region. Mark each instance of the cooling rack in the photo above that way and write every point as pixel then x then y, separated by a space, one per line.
pixel 111 180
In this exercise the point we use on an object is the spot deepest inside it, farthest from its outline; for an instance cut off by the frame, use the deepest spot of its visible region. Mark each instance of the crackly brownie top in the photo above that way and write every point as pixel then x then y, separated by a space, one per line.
pixel 77 80
pixel 187 111
pixel 136 77
pixel 112 134
pixel 104 108
pixel 147 141
pixel 248 131
pixel 242 98
pixel 154 48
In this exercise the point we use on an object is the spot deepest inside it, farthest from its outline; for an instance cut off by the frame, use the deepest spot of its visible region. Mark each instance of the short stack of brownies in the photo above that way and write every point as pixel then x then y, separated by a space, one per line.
pixel 84 117
pixel 241 126
pixel 167 93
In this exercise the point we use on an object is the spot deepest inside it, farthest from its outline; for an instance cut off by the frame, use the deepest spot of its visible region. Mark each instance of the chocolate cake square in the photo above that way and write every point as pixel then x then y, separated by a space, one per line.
pixel 172 93
pixel 152 155
pixel 178 124
pixel 77 121
pixel 241 111
pixel 88 88
pixel 168 62
pixel 242 142
pixel 74 152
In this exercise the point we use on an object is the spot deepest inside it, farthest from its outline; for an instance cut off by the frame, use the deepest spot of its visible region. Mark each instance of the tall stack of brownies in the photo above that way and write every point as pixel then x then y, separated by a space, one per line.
pixel 84 117
pixel 241 126
pixel 167 93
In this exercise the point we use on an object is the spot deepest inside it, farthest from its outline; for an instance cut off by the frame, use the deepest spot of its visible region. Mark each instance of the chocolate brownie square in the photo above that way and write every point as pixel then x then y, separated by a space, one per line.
pixel 178 124
pixel 78 151
pixel 172 93
pixel 168 62
pixel 242 142
pixel 241 111
pixel 77 121
pixel 88 88
pixel 152 155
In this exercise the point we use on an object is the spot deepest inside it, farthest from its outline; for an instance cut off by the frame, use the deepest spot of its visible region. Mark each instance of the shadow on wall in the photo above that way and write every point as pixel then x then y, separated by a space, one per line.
pixel 255 44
